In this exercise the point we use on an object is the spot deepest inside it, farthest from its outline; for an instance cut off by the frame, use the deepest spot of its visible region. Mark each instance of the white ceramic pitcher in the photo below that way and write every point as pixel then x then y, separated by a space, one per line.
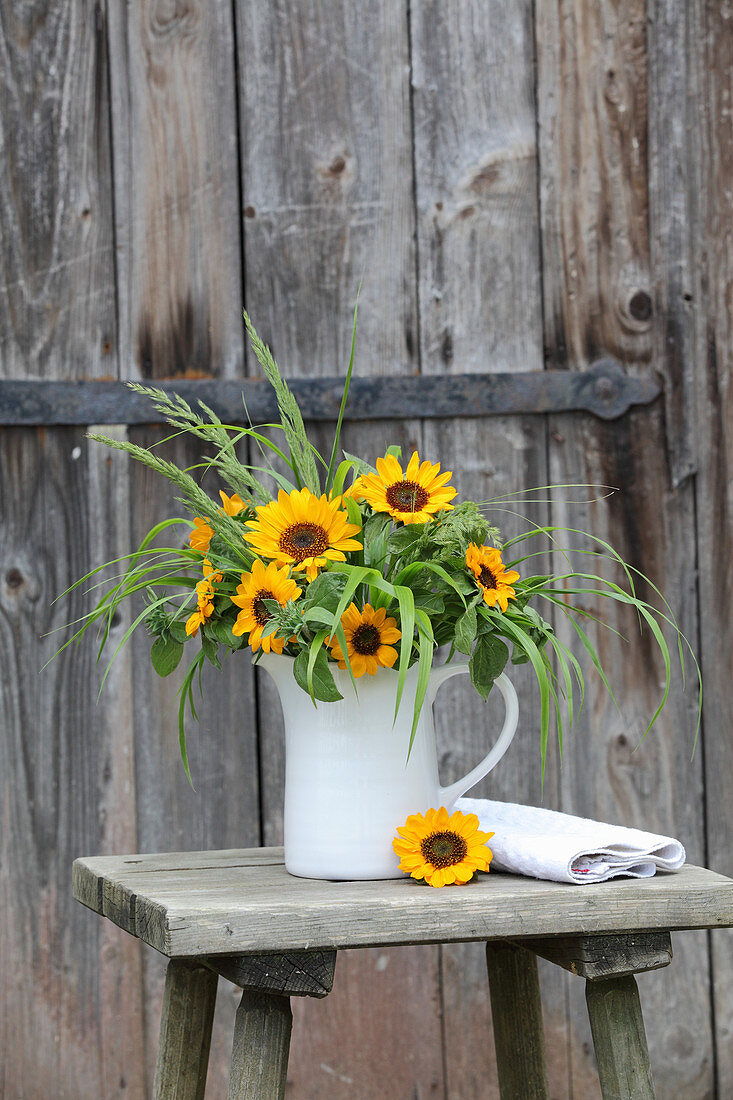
pixel 348 781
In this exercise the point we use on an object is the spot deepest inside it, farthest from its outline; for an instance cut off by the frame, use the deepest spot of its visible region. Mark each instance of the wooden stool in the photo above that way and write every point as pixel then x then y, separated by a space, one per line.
pixel 239 914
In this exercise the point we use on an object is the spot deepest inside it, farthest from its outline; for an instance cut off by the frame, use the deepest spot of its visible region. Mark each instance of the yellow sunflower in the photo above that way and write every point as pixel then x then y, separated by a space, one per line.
pixel 303 531
pixel 233 505
pixel 263 583
pixel 204 599
pixel 443 849
pixel 368 636
pixel 491 576
pixel 412 497
pixel 201 535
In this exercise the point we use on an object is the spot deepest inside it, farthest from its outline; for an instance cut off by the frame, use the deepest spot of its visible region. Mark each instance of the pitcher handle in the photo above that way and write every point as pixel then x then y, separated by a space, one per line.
pixel 448 795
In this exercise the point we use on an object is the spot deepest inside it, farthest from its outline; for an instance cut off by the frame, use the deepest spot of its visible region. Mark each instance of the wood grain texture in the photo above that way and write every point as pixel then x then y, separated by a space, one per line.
pixel 260 1049
pixel 185 1031
pixel 243 904
pixel 179 292
pixel 66 778
pixel 598 285
pixel 619 1039
pixel 327 182
pixel 480 310
pixel 176 192
pixel 517 1022
pixel 57 289
pixel 327 198
pixel 712 43
pixel 303 974
pixel 595 957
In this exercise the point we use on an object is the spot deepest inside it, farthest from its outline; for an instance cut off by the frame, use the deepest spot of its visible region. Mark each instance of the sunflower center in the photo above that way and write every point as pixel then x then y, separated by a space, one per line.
pixel 366 639
pixel 406 496
pixel 443 849
pixel 487 578
pixel 304 540
pixel 260 612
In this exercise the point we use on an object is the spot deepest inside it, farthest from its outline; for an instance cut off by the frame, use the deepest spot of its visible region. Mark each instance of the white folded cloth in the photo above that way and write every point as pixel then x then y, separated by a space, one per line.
pixel 529 840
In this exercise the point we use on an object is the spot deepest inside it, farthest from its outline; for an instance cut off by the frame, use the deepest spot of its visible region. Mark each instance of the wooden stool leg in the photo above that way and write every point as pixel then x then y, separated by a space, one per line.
pixel 261 1045
pixel 185 1031
pixel 516 1010
pixel 619 1039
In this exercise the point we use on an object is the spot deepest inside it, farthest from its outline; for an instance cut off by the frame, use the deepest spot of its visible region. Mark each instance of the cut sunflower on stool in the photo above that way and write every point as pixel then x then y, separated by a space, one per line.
pixel 442 849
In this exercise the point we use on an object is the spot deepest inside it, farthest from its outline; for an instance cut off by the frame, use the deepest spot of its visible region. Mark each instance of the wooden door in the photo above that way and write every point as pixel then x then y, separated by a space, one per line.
pixel 523 187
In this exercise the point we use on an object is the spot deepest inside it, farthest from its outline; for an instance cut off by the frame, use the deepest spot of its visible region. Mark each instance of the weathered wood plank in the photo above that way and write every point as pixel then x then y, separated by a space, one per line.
pixel 327 195
pixel 301 974
pixel 260 1049
pixel 711 46
pixel 598 294
pixel 260 908
pixel 480 310
pixel 66 780
pixel 594 957
pixel 516 1013
pixel 57 288
pixel 185 1031
pixel 619 1039
pixel 176 194
pixel 178 252
pixel 327 181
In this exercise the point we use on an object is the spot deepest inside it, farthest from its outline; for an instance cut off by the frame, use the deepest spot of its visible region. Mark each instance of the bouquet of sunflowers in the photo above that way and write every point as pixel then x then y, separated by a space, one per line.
pixel 333 560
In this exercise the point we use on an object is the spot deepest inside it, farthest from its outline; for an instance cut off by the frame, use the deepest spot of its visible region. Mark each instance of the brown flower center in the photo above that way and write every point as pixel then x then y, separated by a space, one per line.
pixel 304 540
pixel 443 849
pixel 487 578
pixel 407 496
pixel 366 639
pixel 260 612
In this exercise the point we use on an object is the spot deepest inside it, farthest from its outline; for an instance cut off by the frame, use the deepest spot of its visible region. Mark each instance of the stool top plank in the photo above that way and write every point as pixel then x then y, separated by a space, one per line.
pixel 244 902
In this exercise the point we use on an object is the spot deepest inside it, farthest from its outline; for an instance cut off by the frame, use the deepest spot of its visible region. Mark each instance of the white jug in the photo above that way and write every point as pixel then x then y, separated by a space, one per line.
pixel 348 781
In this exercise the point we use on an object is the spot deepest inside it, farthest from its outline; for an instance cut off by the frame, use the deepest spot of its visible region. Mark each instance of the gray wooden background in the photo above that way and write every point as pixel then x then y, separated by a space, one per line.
pixel 522 185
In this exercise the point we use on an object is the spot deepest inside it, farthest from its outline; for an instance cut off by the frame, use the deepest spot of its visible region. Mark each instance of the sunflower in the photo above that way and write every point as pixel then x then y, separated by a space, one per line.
pixel 442 849
pixel 233 505
pixel 204 599
pixel 201 535
pixel 263 583
pixel 300 530
pixel 368 636
pixel 412 497
pixel 491 576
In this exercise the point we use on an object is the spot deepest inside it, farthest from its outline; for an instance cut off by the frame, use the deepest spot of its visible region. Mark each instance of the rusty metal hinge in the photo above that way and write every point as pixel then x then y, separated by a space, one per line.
pixel 603 390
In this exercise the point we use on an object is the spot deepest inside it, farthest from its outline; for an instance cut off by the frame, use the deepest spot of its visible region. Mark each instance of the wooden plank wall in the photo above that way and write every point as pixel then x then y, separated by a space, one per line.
pixel 519 185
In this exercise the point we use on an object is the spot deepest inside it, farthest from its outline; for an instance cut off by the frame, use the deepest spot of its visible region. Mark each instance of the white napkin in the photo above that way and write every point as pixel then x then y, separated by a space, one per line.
pixel 529 840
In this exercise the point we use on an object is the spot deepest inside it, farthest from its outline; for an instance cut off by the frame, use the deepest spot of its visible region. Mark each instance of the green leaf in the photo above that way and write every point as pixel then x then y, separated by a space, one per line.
pixel 324 685
pixel 465 632
pixel 165 655
pixel 407 537
pixel 488 661
pixel 210 649
pixel 177 630
pixel 324 591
